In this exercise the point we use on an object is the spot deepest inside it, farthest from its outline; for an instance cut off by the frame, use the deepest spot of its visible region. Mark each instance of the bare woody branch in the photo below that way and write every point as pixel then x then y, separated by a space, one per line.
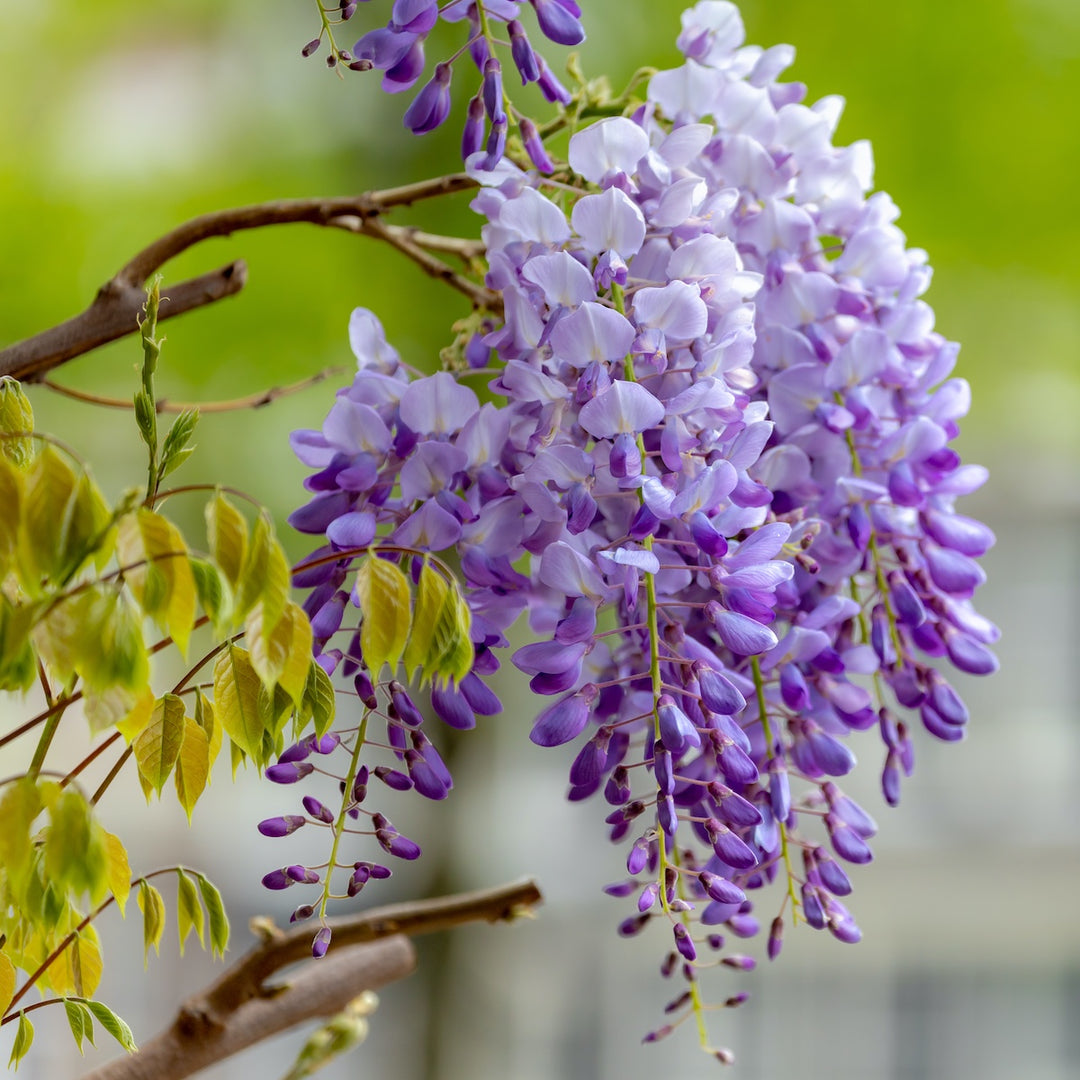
pixel 369 950
pixel 115 310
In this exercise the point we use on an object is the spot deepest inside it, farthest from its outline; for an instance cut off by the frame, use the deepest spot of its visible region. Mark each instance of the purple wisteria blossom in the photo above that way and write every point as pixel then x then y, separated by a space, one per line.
pixel 715 474
pixel 397 49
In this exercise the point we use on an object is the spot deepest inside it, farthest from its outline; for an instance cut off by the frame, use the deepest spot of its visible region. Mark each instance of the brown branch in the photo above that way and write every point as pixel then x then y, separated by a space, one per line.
pixel 116 307
pixel 323 989
pixel 367 951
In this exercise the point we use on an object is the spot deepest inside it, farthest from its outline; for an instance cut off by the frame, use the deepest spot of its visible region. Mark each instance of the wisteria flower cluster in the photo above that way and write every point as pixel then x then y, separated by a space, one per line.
pixel 398 51
pixel 717 476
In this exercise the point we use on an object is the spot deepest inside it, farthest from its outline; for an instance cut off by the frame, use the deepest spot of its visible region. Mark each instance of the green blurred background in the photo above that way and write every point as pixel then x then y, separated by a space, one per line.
pixel 119 120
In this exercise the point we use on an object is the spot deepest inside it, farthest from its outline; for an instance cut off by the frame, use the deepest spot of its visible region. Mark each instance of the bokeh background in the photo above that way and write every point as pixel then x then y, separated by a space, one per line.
pixel 119 120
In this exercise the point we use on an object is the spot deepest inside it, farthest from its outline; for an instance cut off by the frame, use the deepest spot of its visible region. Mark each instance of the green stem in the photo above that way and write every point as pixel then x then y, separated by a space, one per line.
pixel 151 352
pixel 339 825
pixel 44 741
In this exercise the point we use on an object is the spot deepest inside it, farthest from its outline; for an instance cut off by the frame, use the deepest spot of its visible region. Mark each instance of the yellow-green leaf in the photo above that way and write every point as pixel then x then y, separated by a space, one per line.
pixel 189 912
pixel 113 1025
pixel 16 418
pixel 161 578
pixel 18 664
pixel 265 575
pixel 227 535
pixel 205 718
pixel 118 871
pixel 82 965
pixel 7 982
pixel 236 700
pixel 153 908
pixel 439 642
pixel 75 852
pixel 429 625
pixel 10 512
pixel 215 910
pixel 280 654
pixel 383 592
pixel 24 1037
pixel 138 717
pixel 158 744
pixel 319 700
pixel 20 804
pixel 192 766
pixel 80 1022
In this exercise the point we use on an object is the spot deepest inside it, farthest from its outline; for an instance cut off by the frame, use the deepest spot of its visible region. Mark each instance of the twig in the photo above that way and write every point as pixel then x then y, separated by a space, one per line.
pixel 116 307
pixel 367 951
pixel 164 405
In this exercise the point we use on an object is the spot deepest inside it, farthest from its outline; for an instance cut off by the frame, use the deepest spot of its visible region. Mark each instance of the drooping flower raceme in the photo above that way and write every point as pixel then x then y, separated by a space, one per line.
pixel 716 474
pixel 398 51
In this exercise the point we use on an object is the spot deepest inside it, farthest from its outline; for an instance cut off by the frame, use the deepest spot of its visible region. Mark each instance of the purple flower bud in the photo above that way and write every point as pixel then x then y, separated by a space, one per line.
pixel 492 90
pixel 666 815
pixel 424 778
pixel 947 701
pixel 967 653
pixel 736 765
pixel 538 155
pixel 648 896
pixel 618 790
pixel 729 848
pixel 683 999
pixel 588 766
pixel 281 826
pixel 744 925
pixel 396 844
pixel 658 1034
pixel 779 790
pixel 638 857
pixel 406 711
pixel 563 721
pixel 277 879
pixel 684 943
pixel 324 744
pixel 634 925
pixel 432 105
pixel 296 752
pixel 720 889
pixel 620 889
pixel 846 841
pixel 676 730
pixel 831 873
pixel 302 874
pixel 522 53
pixel 321 942
pixel 472 138
pixel 662 766
pixel 718 693
pixel 890 779
pixel 832 756
pixel 288 772
pixel 938 726
pixel 705 535
pixel 739 963
pixel 793 688
pixel 359 791
pixel 317 810
pixel 347 12
pixel 304 911
pixel 550 87
pixel 496 143
pixel 311 47
pixel 909 608
pixel 776 938
pixel 813 912
pixel 734 808
pixel 557 23
pixel 392 778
